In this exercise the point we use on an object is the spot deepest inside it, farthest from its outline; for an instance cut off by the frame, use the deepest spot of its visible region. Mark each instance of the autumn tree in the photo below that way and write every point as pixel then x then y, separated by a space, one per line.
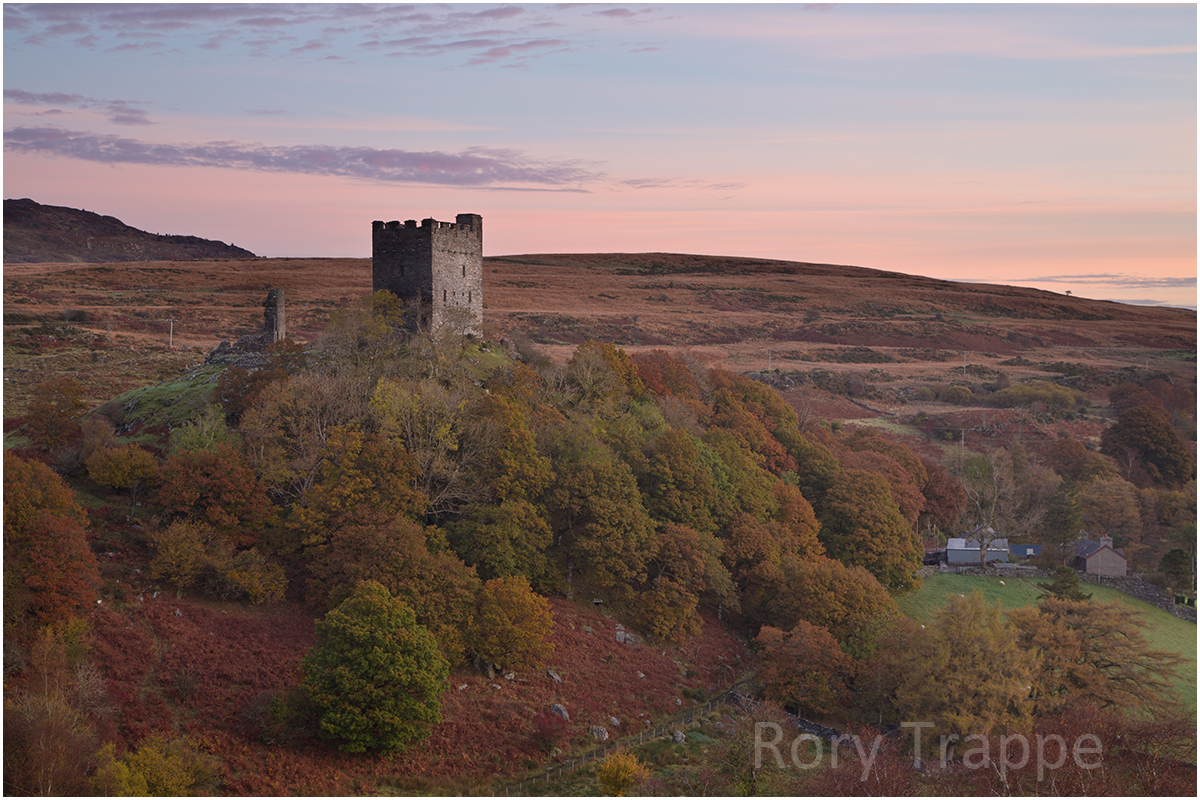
pixel 686 567
pixel 1180 568
pixel 602 377
pixel 54 411
pixel 504 540
pixel 945 499
pixel 755 414
pixel 967 672
pixel 127 467
pixel 360 474
pixel 1109 507
pixel 824 592
pixel 192 555
pixel 1089 652
pixel 217 488
pixel 861 526
pixel 512 625
pixel 620 773
pixel 375 676
pixel 903 470
pixel 804 667
pixel 412 562
pixel 284 433
pixel 49 569
pixel 362 339
pixel 601 528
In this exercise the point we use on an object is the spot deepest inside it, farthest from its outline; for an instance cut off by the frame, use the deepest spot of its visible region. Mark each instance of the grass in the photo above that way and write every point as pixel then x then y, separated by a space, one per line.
pixel 1162 630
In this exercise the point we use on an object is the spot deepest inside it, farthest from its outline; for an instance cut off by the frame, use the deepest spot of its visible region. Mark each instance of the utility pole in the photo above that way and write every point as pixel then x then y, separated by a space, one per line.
pixel 171 337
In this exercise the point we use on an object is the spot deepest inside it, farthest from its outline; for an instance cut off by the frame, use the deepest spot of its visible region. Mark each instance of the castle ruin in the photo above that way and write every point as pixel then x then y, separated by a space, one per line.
pixel 436 267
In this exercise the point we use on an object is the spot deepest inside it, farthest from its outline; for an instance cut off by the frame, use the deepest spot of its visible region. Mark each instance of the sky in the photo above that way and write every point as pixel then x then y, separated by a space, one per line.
pixel 1041 145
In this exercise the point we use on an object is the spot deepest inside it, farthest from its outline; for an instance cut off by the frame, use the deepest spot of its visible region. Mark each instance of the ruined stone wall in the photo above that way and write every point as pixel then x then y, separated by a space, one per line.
pixel 439 264
pixel 274 329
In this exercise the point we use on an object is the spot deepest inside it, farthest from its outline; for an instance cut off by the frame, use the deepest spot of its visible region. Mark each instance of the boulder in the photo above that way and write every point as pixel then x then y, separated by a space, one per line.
pixel 554 676
pixel 599 732
pixel 678 737
pixel 555 708
pixel 616 723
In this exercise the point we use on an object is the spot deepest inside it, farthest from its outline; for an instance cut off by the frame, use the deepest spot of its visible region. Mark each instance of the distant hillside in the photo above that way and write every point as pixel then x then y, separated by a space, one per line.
pixel 34 233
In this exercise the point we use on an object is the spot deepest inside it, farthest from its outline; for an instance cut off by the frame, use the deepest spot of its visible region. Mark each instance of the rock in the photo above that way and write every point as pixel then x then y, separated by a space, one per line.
pixel 587 628
pixel 599 732
pixel 178 613
pixel 641 674
pixel 678 737
pixel 628 637
pixel 678 702
pixel 508 676
pixel 554 676
pixel 555 708
pixel 494 685
pixel 462 686
pixel 616 723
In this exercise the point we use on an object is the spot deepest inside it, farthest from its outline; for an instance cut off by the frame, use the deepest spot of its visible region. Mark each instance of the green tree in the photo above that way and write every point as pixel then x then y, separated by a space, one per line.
pixel 967 672
pixel 1143 435
pixel 1064 585
pixel 1063 521
pixel 1180 568
pixel 123 467
pixel 375 676
pixel 503 540
pixel 206 431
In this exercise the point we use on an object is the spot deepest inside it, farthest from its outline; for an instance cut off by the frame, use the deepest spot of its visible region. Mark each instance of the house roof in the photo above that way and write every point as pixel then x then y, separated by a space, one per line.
pixel 1086 548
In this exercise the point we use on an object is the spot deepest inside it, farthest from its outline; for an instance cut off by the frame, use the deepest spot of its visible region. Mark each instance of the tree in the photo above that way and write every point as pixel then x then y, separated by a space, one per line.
pixel 412 562
pixel 620 773
pixel 1062 522
pixel 504 540
pixel 206 431
pixel 804 667
pixel 824 592
pixel 1090 652
pixel 861 526
pixel 49 568
pixel 1148 435
pixel 945 499
pixel 967 672
pixel 686 566
pixel 217 488
pixel 1109 507
pixel 123 467
pixel 1180 568
pixel 512 625
pixel 55 407
pixel 375 676
pixel 1064 585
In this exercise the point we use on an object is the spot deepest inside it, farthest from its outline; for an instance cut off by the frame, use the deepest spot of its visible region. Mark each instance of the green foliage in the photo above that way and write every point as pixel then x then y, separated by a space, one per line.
pixel 1053 396
pixel 956 395
pixel 504 540
pixel 375 676
pixel 861 526
pixel 206 431
pixel 1143 434
pixel 1180 567
pixel 1064 586
pixel 160 767
pixel 192 555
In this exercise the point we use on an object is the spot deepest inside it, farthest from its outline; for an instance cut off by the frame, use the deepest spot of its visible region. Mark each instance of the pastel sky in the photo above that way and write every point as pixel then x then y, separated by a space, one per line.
pixel 1040 145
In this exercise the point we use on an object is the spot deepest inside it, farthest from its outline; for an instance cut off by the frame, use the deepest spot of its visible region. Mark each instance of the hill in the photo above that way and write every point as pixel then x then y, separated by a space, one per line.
pixel 36 233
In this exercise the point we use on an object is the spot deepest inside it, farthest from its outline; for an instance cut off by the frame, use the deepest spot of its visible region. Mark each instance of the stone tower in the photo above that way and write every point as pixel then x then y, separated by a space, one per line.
pixel 273 327
pixel 438 266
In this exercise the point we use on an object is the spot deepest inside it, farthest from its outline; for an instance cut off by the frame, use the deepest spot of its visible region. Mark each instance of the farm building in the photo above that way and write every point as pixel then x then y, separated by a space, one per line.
pixel 966 551
pixel 1024 550
pixel 1100 558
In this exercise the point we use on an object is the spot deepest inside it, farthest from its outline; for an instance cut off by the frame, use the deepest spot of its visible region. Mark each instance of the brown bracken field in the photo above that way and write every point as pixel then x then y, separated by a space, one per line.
pixel 116 326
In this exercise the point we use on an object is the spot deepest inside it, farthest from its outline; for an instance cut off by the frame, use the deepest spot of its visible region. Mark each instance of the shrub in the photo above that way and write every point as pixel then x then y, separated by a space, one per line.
pixel 620 773
pixel 957 395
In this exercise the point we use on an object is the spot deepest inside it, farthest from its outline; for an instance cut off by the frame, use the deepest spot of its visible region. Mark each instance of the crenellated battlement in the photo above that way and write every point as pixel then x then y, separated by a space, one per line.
pixel 436 265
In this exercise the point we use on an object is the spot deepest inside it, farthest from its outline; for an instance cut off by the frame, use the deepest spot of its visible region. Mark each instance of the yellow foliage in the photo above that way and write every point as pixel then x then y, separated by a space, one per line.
pixel 620 773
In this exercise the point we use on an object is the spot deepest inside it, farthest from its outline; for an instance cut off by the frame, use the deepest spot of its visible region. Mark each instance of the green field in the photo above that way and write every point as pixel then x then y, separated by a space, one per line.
pixel 1162 630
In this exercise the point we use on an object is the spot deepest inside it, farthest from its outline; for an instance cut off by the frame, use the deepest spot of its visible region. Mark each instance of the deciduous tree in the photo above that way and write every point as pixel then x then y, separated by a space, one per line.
pixel 1089 652
pixel 375 675
pixel 217 488
pixel 512 625
pixel 804 667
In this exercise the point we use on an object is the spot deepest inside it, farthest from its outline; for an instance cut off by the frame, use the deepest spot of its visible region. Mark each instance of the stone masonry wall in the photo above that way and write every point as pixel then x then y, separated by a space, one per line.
pixel 438 264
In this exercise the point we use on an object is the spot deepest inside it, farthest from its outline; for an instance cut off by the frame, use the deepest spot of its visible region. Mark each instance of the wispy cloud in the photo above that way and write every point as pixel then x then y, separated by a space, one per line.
pixel 120 112
pixel 477 166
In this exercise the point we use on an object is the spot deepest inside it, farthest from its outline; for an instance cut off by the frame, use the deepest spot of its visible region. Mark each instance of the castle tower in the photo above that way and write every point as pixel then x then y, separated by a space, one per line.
pixel 439 265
